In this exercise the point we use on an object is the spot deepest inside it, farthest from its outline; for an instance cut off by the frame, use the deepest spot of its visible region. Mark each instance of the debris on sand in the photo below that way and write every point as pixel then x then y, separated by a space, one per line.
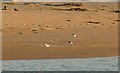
pixel 47 28
pixel 10 3
pixel 72 9
pixel 64 4
pixel 29 3
pixel 78 9
pixel 95 22
pixel 116 11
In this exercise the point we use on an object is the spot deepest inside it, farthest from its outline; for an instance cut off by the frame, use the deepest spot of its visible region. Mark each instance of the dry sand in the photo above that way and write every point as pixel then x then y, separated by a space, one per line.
pixel 25 32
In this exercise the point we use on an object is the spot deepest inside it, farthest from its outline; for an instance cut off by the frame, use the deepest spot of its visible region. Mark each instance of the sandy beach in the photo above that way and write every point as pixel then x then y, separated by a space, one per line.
pixel 26 31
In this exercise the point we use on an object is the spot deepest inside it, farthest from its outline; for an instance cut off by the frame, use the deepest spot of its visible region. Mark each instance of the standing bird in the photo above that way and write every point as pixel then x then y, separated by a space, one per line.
pixel 15 9
pixel 47 45
pixel 70 42
pixel 74 35
pixel 5 8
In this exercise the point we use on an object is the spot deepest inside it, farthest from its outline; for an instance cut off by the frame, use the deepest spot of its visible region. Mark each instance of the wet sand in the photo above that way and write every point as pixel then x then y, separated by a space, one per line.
pixel 26 31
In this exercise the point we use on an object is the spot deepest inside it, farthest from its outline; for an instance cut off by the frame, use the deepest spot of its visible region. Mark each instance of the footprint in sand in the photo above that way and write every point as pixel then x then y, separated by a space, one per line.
pixel 11 28
pixel 20 33
pixel 39 25
pixel 34 30
pixel 59 27
pixel 83 27
pixel 117 20
pixel 68 20
pixel 8 24
pixel 113 22
pixel 95 27
pixel 111 26
pixel 52 42
pixel 80 24
pixel 102 24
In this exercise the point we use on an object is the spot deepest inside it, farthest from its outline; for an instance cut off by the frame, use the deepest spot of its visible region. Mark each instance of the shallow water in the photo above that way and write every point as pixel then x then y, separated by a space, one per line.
pixel 81 64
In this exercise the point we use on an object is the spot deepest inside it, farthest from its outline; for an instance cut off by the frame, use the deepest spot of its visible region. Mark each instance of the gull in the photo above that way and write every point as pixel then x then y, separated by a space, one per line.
pixel 71 43
pixel 47 45
pixel 74 35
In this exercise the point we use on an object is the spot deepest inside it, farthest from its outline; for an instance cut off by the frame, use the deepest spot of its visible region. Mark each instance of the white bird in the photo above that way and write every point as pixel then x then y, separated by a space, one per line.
pixel 71 43
pixel 47 45
pixel 74 35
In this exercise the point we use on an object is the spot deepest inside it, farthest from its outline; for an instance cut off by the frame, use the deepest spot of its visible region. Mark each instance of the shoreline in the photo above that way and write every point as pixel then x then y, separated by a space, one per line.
pixel 60 58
